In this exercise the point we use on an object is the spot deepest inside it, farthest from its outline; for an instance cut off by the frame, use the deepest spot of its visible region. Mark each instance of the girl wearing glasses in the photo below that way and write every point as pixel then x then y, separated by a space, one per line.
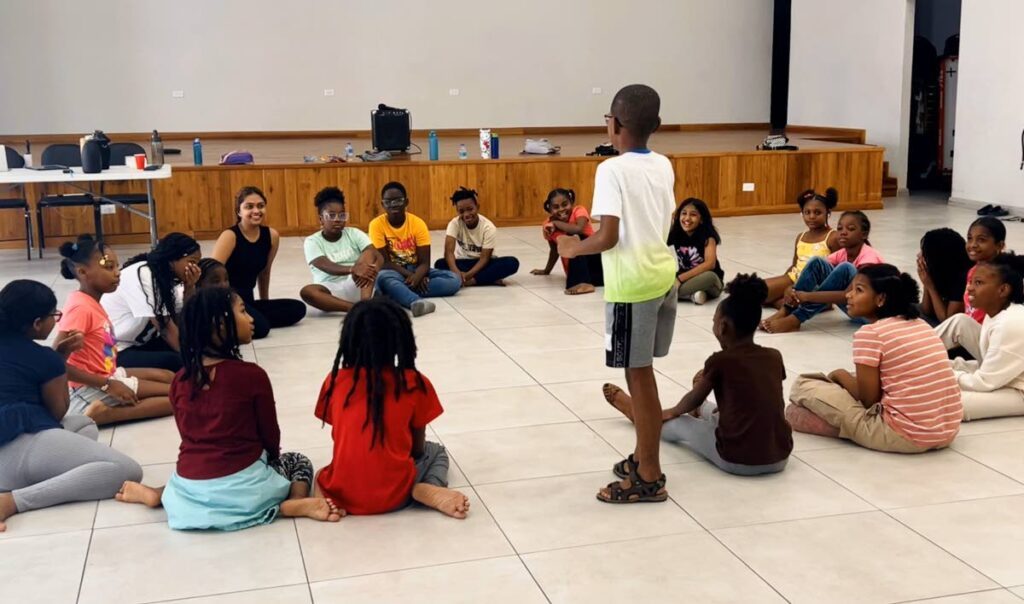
pixel 343 261
pixel 248 250
pixel 46 456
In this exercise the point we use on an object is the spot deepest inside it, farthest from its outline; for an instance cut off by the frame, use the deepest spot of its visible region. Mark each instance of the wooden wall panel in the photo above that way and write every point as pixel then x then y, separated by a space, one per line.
pixel 200 200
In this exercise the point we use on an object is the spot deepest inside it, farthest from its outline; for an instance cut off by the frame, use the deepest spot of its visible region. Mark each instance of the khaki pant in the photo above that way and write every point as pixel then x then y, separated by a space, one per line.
pixel 832 403
pixel 961 330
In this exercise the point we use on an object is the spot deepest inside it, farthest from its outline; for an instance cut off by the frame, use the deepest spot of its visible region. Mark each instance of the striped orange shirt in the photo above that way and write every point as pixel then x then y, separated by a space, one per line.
pixel 920 395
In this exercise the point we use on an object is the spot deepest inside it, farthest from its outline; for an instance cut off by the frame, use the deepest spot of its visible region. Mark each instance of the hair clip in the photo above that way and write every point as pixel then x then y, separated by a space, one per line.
pixel 74 247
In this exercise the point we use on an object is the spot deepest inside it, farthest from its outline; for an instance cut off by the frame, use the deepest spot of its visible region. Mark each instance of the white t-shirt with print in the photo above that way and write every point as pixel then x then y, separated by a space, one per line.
pixel 346 250
pixel 470 243
pixel 637 188
pixel 130 307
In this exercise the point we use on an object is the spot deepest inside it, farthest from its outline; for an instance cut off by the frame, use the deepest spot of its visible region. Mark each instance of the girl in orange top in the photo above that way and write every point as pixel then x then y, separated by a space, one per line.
pixel 378 411
pixel 819 240
pixel 583 274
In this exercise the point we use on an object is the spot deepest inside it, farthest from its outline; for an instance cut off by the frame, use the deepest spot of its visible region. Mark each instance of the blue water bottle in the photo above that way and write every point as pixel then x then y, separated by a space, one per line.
pixel 432 144
pixel 495 141
pixel 197 152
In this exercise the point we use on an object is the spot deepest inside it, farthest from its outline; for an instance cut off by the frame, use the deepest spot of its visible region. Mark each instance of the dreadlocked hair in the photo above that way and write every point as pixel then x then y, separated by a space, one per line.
pixel 376 338
pixel 173 246
pixel 207 330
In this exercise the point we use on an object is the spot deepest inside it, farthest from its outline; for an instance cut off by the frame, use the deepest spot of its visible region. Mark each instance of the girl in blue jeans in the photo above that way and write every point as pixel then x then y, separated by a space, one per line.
pixel 824 281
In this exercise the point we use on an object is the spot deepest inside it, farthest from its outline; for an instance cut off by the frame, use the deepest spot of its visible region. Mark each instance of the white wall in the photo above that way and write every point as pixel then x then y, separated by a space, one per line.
pixel 850 66
pixel 990 104
pixel 263 64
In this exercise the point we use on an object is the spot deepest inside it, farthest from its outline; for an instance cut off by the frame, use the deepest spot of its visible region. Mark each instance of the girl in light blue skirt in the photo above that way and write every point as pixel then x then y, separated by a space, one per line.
pixel 230 473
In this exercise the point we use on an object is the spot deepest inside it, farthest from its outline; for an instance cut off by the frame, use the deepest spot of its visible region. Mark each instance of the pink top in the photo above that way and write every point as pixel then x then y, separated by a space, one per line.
pixel 975 313
pixel 98 354
pixel 867 255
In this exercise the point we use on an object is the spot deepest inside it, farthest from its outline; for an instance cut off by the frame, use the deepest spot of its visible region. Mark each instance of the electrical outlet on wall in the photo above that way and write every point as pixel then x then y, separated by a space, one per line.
pixel 453 92
pixel 328 92
pixel 595 90
pixel 178 94
pixel 108 208
pixel 748 187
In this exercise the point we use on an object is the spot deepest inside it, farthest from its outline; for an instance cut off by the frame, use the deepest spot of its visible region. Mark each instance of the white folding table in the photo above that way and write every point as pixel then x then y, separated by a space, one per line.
pixel 74 177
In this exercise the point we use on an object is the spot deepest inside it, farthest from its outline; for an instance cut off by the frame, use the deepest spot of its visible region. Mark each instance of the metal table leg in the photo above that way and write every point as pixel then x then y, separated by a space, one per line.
pixel 152 213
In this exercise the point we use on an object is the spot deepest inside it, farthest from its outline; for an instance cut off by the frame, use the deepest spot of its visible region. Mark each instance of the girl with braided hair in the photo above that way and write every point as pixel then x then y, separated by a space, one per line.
pixel 144 308
pixel 230 473
pixel 378 405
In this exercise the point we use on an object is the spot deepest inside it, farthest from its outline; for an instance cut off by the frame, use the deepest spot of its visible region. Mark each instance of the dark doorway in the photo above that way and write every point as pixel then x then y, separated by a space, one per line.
pixel 931 152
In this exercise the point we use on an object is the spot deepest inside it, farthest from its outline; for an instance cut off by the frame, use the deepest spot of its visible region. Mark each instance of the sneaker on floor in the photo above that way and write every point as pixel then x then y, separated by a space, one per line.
pixel 699 297
pixel 421 307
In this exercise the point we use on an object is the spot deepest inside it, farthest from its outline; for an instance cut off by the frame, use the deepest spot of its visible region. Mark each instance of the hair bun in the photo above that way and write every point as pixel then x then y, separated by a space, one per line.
pixel 910 287
pixel 68 249
pixel 748 288
pixel 831 197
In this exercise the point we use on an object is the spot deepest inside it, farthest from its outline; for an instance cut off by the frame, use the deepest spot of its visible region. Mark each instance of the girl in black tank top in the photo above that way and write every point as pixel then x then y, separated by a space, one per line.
pixel 246 261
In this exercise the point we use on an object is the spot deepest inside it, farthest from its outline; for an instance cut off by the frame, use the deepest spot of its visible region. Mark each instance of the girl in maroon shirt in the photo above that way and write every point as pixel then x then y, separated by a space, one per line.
pixel 230 472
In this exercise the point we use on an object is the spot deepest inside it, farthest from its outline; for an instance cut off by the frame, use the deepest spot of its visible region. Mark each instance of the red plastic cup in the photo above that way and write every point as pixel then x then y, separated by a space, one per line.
pixel 140 161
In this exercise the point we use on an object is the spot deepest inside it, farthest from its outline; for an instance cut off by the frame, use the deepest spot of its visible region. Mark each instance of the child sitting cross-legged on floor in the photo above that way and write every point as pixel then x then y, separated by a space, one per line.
pixel 469 245
pixel 378 405
pixel 904 397
pixel 992 385
pixel 695 240
pixel 230 473
pixel 100 388
pixel 746 433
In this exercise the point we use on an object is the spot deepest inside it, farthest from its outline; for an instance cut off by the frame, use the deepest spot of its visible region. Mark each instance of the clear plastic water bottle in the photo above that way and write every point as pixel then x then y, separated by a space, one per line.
pixel 197 152
pixel 157 149
pixel 349 152
pixel 463 152
pixel 432 145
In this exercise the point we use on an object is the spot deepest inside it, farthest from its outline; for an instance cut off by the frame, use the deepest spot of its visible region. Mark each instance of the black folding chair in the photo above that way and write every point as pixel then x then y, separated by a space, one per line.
pixel 71 156
pixel 15 160
pixel 118 153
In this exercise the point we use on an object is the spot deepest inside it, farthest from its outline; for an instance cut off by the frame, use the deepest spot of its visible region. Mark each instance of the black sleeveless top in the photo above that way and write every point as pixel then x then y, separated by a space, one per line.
pixel 247 261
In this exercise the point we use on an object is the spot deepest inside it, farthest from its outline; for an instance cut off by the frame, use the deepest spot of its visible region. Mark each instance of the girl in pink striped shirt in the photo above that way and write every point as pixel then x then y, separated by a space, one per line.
pixel 904 397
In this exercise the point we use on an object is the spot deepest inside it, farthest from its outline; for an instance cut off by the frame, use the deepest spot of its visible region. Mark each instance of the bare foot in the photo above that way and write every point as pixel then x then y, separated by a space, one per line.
pixel 500 282
pixel 617 398
pixel 135 492
pixel 446 501
pixel 317 508
pixel 99 413
pixel 582 288
pixel 469 282
pixel 7 509
pixel 763 325
pixel 785 324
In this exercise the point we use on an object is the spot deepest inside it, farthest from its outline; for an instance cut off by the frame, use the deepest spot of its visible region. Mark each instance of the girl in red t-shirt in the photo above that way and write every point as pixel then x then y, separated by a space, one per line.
pixel 584 273
pixel 378 406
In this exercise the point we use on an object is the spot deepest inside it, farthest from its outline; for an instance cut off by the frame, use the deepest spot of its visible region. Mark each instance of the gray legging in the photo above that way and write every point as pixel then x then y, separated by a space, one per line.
pixel 699 435
pixel 43 469
pixel 707 282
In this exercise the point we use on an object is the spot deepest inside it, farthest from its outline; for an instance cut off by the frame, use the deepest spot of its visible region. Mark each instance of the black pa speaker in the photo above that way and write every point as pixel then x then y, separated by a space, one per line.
pixel 390 128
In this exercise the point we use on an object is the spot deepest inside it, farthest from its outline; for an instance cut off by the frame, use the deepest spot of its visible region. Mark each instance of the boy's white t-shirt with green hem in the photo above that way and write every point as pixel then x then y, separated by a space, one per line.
pixel 637 188
pixel 346 250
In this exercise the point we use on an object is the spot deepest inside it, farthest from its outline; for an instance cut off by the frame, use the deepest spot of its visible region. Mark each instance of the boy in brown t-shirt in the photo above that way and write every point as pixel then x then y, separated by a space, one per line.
pixel 746 433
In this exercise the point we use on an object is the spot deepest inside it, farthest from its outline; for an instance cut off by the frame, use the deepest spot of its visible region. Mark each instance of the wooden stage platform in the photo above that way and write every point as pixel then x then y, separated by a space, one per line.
pixel 712 163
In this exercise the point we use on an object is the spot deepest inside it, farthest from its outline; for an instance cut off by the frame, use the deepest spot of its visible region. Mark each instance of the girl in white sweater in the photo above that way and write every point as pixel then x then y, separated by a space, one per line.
pixel 992 386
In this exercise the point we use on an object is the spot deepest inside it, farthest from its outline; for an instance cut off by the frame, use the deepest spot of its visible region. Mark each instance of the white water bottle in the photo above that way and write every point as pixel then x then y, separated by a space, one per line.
pixel 463 152
pixel 349 152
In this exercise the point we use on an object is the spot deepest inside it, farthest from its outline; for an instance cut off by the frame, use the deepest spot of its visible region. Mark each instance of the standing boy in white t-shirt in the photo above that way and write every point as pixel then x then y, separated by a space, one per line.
pixel 343 261
pixel 469 245
pixel 633 196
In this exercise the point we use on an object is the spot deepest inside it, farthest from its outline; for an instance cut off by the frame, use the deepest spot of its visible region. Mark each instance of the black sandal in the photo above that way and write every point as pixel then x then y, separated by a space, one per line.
pixel 625 467
pixel 639 491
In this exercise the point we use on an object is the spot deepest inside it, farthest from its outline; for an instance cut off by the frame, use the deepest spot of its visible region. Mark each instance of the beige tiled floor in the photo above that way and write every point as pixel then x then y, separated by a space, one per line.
pixel 519 370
